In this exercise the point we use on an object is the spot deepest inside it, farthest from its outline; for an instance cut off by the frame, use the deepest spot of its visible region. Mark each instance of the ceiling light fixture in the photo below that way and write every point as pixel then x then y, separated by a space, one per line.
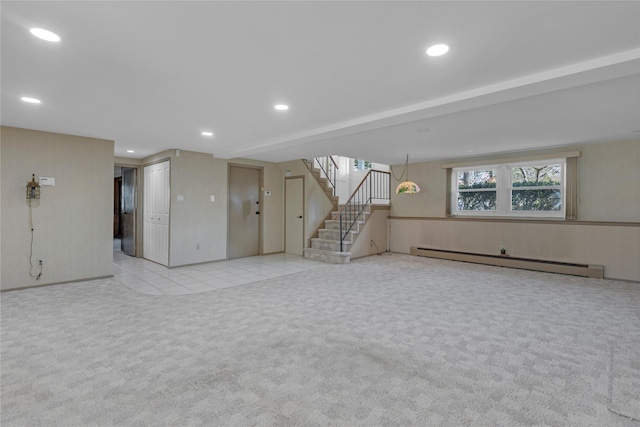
pixel 437 50
pixel 30 100
pixel 405 187
pixel 281 107
pixel 206 133
pixel 45 35
pixel 130 151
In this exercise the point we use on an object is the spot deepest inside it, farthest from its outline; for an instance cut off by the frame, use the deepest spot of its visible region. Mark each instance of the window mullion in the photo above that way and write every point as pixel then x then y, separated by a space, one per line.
pixel 503 190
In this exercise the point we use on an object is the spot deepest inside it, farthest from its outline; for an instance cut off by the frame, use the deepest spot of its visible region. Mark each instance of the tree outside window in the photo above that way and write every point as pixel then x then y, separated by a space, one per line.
pixel 522 189
pixel 361 165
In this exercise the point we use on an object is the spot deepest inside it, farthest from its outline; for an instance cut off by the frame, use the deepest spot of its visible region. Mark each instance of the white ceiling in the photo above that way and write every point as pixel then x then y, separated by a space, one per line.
pixel 152 75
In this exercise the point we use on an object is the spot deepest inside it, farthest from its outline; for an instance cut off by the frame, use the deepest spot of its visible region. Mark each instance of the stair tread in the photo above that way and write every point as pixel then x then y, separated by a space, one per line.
pixel 335 220
pixel 334 230
pixel 327 251
pixel 320 239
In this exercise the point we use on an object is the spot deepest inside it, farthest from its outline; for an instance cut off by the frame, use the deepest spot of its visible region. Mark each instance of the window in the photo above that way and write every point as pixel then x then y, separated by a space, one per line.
pixel 531 189
pixel 477 189
pixel 361 165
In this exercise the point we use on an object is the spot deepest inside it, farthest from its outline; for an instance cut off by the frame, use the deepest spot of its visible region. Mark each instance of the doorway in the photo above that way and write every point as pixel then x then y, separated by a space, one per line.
pixel 244 211
pixel 294 215
pixel 124 209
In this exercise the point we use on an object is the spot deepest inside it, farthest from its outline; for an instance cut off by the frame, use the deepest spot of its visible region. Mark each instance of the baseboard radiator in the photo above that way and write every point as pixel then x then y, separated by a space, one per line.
pixel 594 271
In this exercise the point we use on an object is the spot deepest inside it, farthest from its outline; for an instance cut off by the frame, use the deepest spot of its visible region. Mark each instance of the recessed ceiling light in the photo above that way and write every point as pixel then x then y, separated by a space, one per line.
pixel 31 100
pixel 205 133
pixel 45 35
pixel 130 151
pixel 437 50
pixel 281 107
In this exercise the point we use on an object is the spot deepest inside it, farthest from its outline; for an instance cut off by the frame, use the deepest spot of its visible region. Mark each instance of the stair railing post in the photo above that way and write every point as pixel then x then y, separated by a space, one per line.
pixel 340 221
pixel 335 183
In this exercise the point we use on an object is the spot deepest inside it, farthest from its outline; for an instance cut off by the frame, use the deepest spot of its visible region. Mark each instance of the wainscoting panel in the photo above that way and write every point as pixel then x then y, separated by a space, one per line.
pixel 615 246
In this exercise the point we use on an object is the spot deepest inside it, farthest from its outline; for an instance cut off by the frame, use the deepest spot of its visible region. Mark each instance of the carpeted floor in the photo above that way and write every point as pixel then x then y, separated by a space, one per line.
pixel 384 341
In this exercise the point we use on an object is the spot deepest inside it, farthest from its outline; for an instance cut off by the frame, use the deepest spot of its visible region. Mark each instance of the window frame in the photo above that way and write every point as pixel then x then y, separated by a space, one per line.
pixel 364 165
pixel 456 190
pixel 504 188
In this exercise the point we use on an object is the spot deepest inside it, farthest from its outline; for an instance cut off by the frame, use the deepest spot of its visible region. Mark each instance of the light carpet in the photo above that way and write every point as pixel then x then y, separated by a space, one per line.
pixel 384 341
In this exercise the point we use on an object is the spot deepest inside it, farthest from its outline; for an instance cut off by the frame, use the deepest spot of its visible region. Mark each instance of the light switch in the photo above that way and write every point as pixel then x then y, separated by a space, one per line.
pixel 213 198
pixel 180 197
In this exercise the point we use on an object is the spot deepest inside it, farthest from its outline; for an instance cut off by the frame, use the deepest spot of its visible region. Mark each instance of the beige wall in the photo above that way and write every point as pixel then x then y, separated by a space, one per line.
pixel 73 220
pixel 430 201
pixel 608 174
pixel 608 191
pixel 317 206
pixel 609 182
pixel 196 221
pixel 617 248
pixel 375 229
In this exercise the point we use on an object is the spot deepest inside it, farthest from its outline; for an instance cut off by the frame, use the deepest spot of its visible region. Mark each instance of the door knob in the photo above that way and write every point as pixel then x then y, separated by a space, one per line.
pixel 300 216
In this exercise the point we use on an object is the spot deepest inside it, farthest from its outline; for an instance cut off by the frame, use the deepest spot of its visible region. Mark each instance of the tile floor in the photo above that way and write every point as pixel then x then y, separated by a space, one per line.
pixel 149 278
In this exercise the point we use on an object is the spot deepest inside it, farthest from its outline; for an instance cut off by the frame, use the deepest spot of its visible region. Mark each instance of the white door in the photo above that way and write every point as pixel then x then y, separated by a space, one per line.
pixel 156 212
pixel 294 216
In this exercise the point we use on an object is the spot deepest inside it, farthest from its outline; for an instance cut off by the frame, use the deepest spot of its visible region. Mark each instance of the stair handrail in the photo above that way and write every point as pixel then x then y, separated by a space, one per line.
pixel 375 185
pixel 329 169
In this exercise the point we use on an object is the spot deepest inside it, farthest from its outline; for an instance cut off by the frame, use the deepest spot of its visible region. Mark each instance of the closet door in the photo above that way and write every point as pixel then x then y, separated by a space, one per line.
pixel 156 212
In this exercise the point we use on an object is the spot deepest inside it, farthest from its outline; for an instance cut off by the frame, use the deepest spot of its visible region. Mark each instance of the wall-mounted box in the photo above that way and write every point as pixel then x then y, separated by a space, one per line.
pixel 47 181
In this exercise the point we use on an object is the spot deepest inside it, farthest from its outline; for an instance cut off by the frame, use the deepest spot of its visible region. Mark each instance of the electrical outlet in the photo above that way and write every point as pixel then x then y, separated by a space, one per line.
pixel 40 262
pixel 503 251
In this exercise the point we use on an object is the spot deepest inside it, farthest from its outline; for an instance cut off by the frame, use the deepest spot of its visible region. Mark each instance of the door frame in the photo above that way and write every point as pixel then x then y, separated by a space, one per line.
pixel 260 199
pixel 137 218
pixel 304 213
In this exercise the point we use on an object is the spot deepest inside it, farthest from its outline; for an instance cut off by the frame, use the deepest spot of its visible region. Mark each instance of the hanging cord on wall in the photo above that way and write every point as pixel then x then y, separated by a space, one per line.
pixel 372 244
pixel 406 166
pixel 35 276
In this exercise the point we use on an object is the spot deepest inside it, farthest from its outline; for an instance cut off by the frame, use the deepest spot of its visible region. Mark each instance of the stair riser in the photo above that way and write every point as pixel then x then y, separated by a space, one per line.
pixel 329 246
pixel 361 218
pixel 355 208
pixel 327 257
pixel 335 225
pixel 334 235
